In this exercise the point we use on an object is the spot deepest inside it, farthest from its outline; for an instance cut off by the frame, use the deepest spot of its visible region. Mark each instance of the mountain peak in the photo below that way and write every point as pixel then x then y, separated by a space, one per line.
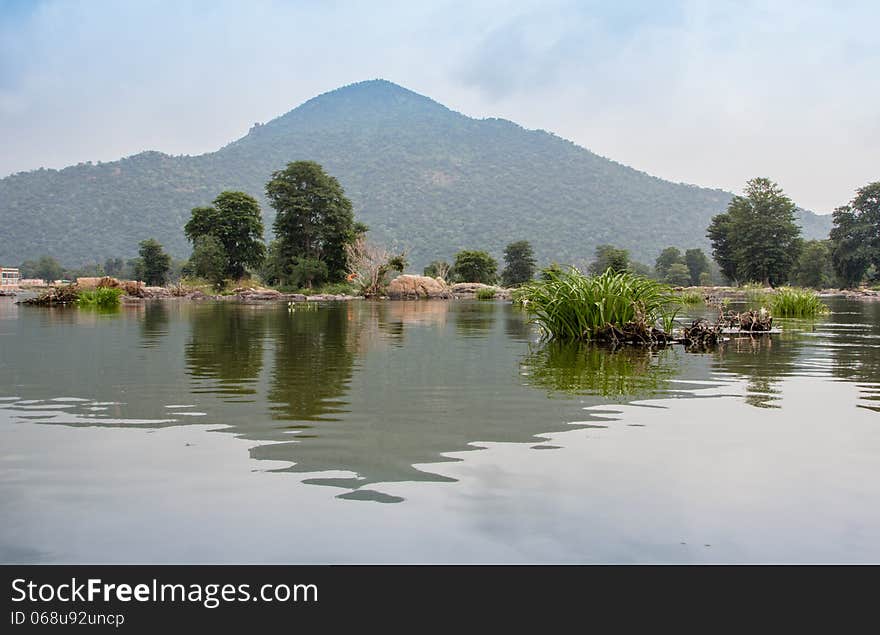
pixel 374 98
pixel 379 88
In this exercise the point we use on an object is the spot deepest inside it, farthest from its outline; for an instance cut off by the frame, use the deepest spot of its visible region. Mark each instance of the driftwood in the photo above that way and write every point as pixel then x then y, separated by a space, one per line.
pixel 67 294
pixel 701 333
pixel 635 332
pixel 749 321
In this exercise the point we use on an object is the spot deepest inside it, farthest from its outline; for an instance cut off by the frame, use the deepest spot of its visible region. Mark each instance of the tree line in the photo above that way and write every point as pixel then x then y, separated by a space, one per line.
pixel 757 240
pixel 319 242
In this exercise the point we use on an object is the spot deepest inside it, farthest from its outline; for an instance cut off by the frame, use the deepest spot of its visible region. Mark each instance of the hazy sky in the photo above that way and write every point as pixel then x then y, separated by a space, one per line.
pixel 710 93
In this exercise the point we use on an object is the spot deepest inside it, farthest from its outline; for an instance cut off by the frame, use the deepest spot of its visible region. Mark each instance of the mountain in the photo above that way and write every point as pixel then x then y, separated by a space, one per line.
pixel 420 175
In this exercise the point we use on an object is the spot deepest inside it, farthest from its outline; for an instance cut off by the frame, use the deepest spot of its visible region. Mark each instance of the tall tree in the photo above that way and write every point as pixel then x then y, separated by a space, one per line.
pixel 758 238
pixel 234 219
pixel 609 257
pixel 719 233
pixel 697 264
pixel 475 266
pixel 520 262
pixel 154 263
pixel 668 257
pixel 314 222
pixel 855 237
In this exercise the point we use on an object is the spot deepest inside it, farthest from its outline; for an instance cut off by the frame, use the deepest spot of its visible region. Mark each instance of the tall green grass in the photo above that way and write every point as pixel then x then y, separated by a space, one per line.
pixel 689 297
pixel 569 305
pixel 486 293
pixel 796 302
pixel 100 298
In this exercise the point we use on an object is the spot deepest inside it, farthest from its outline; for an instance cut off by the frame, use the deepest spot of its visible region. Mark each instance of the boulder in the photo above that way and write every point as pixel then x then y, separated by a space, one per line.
pixel 88 284
pixel 155 292
pixel 261 295
pixel 411 287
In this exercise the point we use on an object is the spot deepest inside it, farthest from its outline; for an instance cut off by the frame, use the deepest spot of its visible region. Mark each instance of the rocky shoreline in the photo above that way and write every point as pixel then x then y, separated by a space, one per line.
pixel 404 287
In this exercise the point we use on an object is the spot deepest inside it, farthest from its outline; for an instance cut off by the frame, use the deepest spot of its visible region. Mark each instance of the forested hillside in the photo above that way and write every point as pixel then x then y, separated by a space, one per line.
pixel 420 175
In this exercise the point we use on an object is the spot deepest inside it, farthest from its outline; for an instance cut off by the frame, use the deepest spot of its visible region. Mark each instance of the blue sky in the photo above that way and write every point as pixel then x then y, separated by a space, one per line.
pixel 711 93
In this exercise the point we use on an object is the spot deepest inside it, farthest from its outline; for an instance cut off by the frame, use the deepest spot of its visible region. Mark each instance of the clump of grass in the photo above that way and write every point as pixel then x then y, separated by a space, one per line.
pixel 100 298
pixel 797 302
pixel 334 288
pixel 569 305
pixel 689 297
pixel 486 293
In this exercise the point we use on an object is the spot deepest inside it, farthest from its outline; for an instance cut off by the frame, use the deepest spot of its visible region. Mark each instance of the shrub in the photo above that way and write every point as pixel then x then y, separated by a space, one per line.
pixel 486 293
pixel 100 298
pixel 796 302
pixel 570 305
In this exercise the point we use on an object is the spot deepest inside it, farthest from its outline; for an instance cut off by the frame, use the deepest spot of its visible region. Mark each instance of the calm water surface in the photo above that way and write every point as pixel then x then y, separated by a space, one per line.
pixel 429 432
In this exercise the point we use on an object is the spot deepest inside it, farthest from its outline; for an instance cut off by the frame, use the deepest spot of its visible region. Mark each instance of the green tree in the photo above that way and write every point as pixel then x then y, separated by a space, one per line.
pixel 677 275
pixel 519 259
pixel 154 263
pixel 757 239
pixel 719 234
pixel 640 269
pixel 475 266
pixel 209 260
pixel 46 268
pixel 398 262
pixel 668 257
pixel 314 223
pixel 814 268
pixel 855 236
pixel 609 257
pixel 234 219
pixel 697 263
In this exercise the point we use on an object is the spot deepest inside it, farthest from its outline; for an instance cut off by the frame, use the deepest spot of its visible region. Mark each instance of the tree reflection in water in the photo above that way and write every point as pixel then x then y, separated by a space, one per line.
pixel 224 353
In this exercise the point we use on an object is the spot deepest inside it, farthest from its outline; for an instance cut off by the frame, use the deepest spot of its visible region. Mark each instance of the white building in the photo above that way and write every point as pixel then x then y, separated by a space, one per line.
pixel 9 278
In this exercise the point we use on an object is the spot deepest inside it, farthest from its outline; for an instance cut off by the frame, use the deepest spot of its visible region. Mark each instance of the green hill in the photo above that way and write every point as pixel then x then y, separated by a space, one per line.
pixel 420 175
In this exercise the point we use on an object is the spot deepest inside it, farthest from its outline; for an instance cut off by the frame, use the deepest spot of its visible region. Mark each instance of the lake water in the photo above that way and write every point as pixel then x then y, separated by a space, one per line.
pixel 429 432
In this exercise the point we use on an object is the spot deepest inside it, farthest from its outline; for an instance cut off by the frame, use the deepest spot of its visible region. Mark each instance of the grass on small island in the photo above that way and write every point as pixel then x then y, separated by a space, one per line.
pixel 569 305
pixel 486 293
pixel 100 298
pixel 796 302
pixel 330 288
pixel 689 297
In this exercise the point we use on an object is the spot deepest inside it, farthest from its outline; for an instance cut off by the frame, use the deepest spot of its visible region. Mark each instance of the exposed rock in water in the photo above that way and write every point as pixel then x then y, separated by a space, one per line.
pixel 412 287
pixel 470 290
pixel 259 295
